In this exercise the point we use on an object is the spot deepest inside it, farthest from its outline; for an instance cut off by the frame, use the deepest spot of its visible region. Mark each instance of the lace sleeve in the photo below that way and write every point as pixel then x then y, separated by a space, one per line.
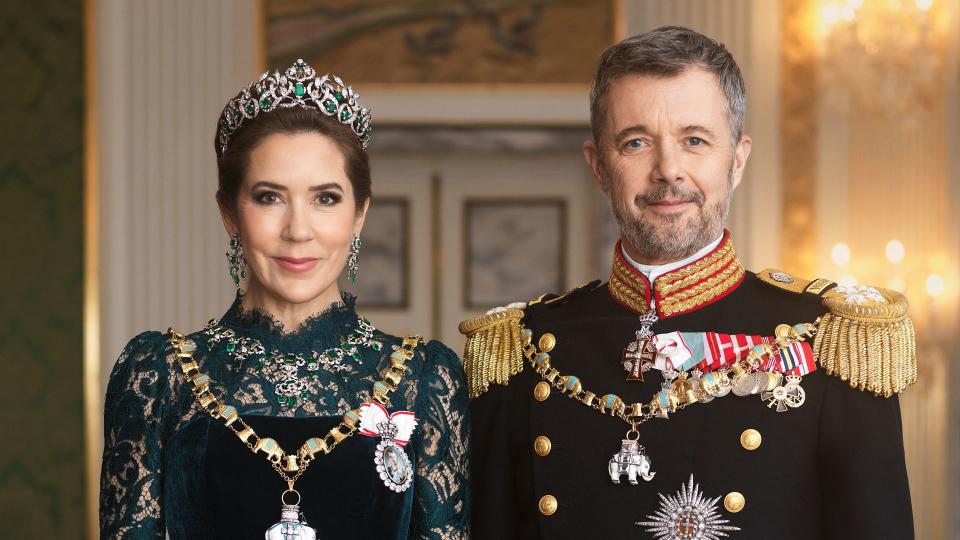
pixel 441 508
pixel 131 474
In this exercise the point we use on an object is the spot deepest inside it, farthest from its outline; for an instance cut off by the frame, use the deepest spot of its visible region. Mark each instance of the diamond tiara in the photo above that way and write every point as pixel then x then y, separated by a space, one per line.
pixel 298 86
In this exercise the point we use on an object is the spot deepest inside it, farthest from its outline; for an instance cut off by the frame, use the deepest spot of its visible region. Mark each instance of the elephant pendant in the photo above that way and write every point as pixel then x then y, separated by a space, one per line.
pixel 630 460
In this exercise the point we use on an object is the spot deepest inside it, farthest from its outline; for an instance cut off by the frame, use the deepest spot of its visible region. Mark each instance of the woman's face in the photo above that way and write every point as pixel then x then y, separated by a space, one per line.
pixel 296 215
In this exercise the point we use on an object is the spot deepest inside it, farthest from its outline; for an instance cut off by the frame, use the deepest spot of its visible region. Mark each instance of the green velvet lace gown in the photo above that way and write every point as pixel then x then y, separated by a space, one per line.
pixel 169 468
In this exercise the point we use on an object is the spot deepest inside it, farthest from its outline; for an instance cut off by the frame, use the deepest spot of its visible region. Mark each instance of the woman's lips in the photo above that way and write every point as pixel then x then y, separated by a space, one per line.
pixel 296 265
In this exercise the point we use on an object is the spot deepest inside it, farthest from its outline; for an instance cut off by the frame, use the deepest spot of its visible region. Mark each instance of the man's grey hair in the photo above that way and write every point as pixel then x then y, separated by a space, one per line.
pixel 667 52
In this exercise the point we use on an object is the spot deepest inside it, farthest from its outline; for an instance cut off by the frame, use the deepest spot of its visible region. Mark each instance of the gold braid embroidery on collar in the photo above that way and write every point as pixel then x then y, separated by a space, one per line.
pixel 686 276
pixel 626 287
pixel 703 292
pixel 681 290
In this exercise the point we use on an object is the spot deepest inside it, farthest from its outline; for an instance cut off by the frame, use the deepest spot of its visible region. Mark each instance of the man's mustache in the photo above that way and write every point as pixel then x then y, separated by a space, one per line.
pixel 672 193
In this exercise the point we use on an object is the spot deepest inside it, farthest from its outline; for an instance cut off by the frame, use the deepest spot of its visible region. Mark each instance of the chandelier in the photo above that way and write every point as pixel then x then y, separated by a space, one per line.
pixel 887 54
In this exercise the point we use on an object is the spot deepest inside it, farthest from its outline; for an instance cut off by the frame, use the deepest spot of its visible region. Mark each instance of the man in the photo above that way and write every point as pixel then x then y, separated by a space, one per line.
pixel 687 398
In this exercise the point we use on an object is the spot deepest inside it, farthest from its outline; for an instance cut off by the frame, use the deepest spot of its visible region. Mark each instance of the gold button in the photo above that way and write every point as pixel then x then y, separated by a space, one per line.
pixel 542 445
pixel 734 502
pixel 548 505
pixel 750 439
pixel 541 391
pixel 547 342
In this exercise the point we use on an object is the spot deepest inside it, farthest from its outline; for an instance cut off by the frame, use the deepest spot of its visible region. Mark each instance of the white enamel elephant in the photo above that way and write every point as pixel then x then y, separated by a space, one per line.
pixel 630 460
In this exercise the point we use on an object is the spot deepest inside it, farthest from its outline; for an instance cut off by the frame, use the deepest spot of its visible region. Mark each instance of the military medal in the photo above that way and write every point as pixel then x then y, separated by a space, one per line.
pixel 787 396
pixel 687 515
pixel 394 430
pixel 290 526
pixel 640 353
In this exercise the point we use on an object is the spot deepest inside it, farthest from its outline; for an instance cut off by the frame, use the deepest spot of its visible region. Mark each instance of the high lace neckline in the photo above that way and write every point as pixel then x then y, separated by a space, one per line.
pixel 320 330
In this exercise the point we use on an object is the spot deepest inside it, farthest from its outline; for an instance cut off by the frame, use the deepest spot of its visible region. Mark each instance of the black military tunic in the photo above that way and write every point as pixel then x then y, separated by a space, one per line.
pixel 832 468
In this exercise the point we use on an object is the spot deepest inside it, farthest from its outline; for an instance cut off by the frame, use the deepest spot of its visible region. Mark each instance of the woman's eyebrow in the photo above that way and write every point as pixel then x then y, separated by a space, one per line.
pixel 328 185
pixel 280 187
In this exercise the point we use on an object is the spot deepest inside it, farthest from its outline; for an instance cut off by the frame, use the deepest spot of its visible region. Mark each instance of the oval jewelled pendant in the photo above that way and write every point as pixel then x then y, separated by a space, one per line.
pixel 289 527
pixel 394 466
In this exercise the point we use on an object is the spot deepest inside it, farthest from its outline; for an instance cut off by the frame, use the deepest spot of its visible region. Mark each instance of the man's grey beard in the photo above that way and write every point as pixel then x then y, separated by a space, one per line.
pixel 676 236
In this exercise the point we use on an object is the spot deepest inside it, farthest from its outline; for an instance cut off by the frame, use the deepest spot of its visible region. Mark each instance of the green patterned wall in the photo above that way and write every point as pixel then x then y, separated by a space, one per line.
pixel 41 269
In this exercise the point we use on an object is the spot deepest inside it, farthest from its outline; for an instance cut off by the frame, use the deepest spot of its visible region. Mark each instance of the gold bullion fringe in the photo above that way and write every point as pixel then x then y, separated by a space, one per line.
pixel 875 356
pixel 492 353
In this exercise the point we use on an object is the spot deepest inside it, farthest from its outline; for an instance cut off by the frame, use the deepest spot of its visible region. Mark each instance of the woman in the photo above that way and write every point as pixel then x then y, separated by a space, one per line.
pixel 290 416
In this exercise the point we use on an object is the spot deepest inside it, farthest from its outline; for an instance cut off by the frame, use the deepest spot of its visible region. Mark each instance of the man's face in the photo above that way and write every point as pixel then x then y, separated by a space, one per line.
pixel 667 162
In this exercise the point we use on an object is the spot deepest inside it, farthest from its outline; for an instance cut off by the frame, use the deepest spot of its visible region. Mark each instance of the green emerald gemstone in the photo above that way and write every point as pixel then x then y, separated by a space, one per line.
pixel 260 365
pixel 338 95
pixel 315 375
pixel 331 354
pixel 376 346
pixel 292 400
pixel 330 106
pixel 356 356
pixel 231 346
pixel 345 115
pixel 303 395
pixel 249 108
pixel 281 400
pixel 299 90
pixel 265 103
pixel 290 359
pixel 345 345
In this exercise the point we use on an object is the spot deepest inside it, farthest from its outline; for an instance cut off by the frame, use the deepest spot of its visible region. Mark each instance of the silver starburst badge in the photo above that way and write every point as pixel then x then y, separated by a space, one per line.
pixel 687 515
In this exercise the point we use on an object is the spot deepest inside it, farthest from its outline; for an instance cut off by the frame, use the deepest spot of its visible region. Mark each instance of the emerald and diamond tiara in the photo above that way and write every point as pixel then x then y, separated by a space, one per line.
pixel 298 86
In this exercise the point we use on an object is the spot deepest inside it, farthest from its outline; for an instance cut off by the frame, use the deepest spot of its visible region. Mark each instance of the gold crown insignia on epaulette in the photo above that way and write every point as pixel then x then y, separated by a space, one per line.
pixel 866 338
pixel 492 353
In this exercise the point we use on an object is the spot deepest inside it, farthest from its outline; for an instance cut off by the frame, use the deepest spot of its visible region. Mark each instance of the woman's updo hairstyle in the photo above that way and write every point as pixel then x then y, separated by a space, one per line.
pixel 294 102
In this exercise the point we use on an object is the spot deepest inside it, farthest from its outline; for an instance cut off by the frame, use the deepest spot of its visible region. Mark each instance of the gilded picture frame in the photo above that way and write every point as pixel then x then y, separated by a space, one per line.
pixel 523 94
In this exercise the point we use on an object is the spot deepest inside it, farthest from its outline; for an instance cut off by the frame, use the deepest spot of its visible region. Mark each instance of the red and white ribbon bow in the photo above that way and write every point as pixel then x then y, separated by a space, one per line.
pixel 671 346
pixel 374 414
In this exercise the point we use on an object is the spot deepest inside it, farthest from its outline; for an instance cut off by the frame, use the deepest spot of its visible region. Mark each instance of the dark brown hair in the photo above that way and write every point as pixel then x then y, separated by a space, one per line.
pixel 666 52
pixel 232 164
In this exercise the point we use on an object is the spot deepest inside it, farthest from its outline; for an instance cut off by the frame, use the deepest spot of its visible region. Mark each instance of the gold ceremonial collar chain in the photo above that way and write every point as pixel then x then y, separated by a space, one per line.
pixel 288 466
pixel 682 392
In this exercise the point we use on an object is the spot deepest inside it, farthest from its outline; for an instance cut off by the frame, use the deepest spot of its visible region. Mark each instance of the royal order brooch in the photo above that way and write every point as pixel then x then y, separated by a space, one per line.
pixel 687 515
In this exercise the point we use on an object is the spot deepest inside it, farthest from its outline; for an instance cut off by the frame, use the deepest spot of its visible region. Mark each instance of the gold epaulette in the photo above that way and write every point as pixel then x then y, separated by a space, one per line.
pixel 493 352
pixel 866 338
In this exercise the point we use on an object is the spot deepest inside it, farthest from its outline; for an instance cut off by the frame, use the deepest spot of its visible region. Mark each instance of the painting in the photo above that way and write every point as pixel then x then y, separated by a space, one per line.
pixel 383 279
pixel 376 43
pixel 514 250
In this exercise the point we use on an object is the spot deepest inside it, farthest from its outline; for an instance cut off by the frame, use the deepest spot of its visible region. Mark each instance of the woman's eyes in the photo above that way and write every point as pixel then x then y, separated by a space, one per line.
pixel 267 197
pixel 325 198
pixel 328 198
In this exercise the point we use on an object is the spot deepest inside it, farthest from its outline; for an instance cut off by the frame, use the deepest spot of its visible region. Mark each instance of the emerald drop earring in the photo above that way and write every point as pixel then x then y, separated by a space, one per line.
pixel 352 264
pixel 236 261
